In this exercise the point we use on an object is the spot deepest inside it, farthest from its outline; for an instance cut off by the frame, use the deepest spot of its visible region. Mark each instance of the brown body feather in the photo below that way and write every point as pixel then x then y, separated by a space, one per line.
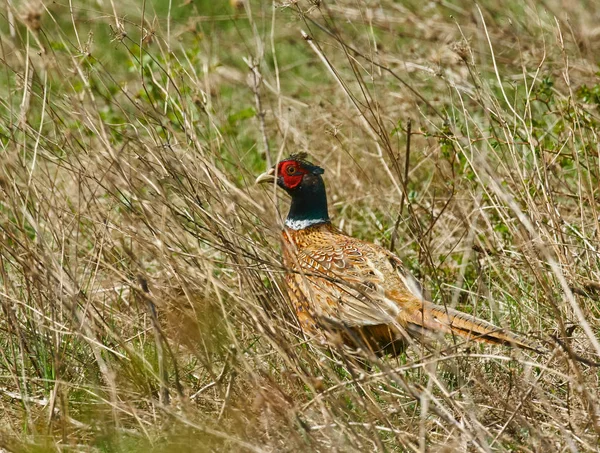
pixel 363 291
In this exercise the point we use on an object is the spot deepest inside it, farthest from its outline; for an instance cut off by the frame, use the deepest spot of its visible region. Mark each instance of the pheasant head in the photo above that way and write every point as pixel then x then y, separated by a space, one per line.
pixel 302 180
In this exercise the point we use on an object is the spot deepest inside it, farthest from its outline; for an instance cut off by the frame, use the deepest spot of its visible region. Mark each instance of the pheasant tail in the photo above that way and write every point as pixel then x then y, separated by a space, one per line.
pixel 447 320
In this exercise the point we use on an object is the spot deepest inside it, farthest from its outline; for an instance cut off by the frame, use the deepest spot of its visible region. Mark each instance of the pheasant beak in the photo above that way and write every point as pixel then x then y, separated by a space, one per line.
pixel 268 176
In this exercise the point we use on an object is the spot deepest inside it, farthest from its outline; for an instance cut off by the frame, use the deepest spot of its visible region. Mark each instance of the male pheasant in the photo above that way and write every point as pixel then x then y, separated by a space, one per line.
pixel 358 289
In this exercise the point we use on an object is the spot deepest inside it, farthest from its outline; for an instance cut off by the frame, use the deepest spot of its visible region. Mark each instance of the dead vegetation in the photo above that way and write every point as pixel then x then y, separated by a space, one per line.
pixel 141 291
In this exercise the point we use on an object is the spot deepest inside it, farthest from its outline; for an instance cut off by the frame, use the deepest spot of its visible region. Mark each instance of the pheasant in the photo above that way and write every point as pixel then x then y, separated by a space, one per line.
pixel 355 288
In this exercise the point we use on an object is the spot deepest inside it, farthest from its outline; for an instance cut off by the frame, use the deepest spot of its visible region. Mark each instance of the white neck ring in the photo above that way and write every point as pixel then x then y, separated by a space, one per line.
pixel 302 224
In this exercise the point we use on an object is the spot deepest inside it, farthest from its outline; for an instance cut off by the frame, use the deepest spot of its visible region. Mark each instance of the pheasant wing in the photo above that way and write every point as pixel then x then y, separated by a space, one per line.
pixel 348 281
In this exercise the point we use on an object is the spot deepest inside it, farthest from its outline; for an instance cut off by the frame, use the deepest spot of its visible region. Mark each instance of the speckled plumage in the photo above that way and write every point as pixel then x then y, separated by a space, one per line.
pixel 363 290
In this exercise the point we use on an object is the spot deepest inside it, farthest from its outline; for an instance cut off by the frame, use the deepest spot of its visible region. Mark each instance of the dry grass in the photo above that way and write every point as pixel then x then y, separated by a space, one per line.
pixel 141 290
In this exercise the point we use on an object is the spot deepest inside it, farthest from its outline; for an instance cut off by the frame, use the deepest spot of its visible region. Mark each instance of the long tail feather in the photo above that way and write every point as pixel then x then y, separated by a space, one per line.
pixel 450 321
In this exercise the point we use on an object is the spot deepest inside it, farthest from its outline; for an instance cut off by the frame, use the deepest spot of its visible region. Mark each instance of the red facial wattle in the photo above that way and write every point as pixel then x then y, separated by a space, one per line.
pixel 292 173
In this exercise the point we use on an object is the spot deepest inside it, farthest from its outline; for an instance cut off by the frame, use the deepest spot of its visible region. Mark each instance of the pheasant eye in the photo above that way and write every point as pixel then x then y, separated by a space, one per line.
pixel 290 170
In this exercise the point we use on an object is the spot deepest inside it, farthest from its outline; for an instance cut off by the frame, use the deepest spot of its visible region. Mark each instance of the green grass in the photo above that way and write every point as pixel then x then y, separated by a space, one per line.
pixel 129 149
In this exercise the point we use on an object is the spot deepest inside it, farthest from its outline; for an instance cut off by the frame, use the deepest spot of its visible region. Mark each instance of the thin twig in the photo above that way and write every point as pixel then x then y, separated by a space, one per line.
pixel 404 195
pixel 260 113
